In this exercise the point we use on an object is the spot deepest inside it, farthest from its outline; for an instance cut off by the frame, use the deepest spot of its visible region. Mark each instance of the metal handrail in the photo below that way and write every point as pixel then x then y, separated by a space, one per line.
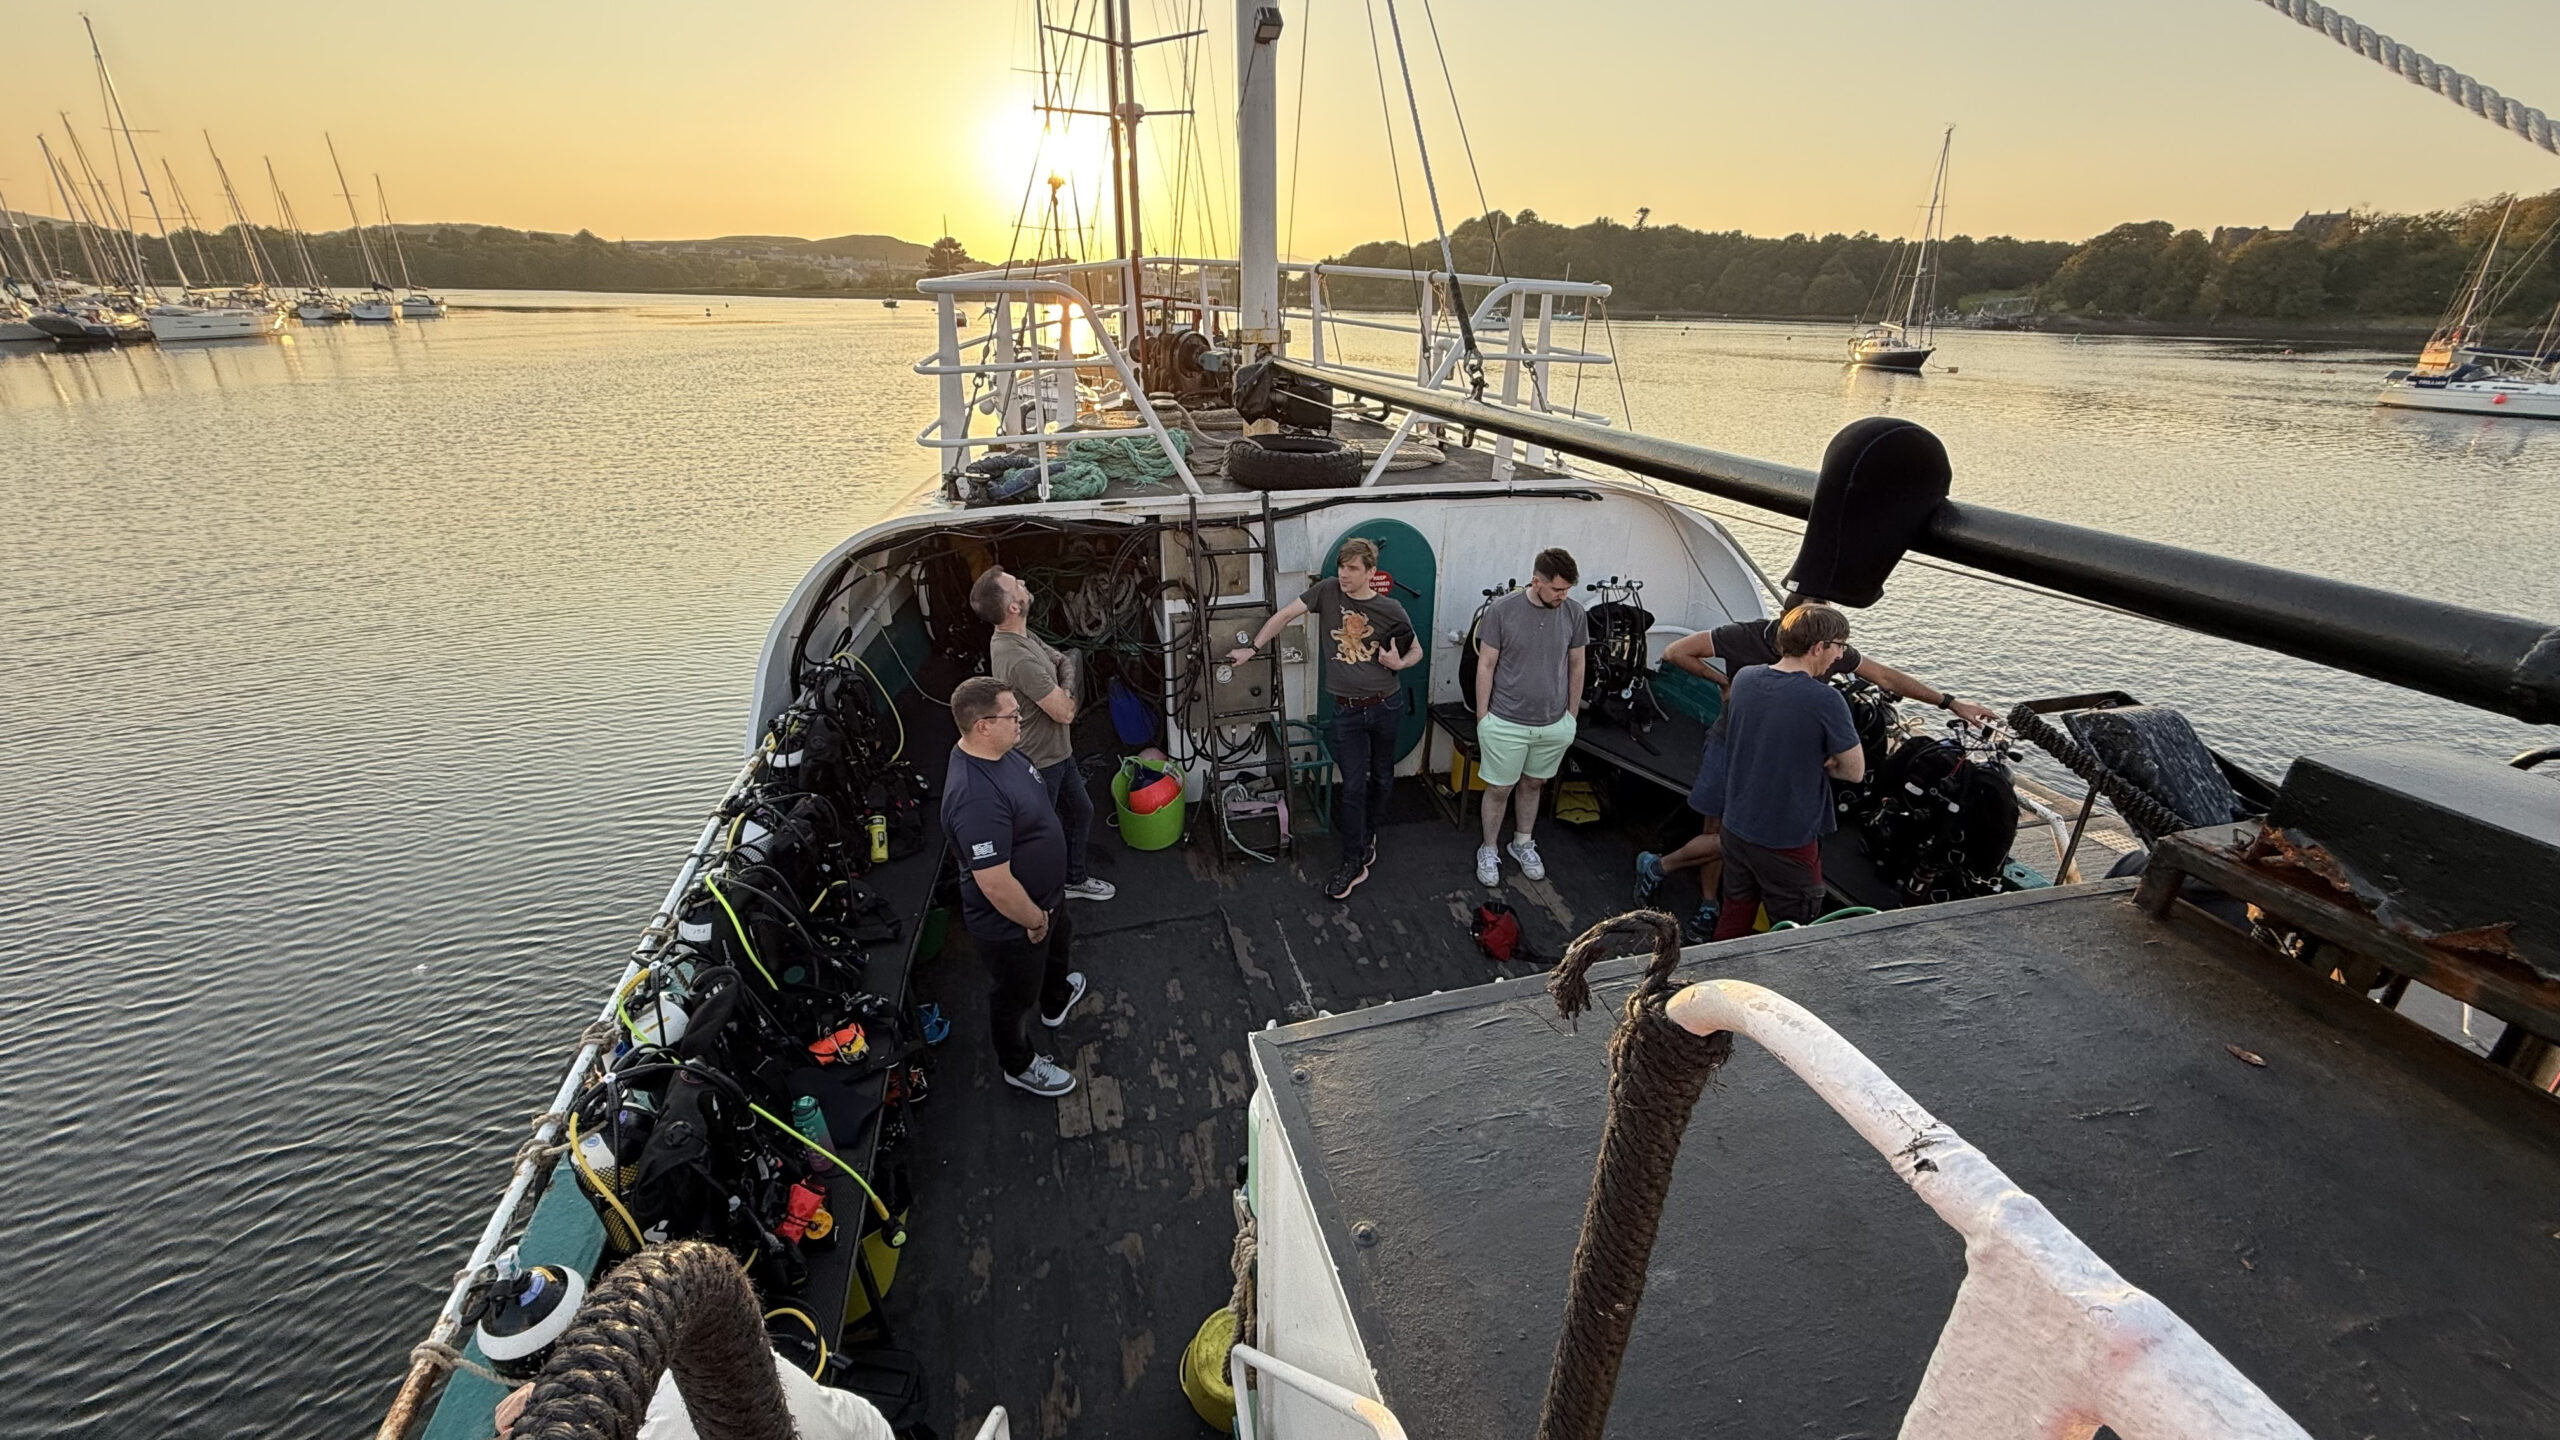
pixel 1350 1404
pixel 950 429
pixel 2045 1337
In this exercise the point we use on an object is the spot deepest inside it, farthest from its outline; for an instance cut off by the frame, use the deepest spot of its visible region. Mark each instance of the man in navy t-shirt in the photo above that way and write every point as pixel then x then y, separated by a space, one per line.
pixel 1787 736
pixel 1013 880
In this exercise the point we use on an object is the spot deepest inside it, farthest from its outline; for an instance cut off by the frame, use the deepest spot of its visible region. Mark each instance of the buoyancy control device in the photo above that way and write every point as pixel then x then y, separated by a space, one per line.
pixel 1944 814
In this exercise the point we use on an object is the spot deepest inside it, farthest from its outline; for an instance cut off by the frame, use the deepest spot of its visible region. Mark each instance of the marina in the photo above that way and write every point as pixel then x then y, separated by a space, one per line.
pixel 829 868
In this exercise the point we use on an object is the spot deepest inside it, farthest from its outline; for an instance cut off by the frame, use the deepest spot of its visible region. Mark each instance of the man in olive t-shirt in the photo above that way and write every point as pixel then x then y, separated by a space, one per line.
pixel 1045 682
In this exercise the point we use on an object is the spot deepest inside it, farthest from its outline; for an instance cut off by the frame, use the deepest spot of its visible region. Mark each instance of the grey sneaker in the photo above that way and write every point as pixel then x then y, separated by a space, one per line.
pixel 1092 888
pixel 1488 865
pixel 1525 850
pixel 1042 1077
pixel 1075 992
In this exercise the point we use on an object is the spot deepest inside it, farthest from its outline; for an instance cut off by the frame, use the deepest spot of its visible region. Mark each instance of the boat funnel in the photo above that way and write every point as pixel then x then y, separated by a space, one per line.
pixel 1881 480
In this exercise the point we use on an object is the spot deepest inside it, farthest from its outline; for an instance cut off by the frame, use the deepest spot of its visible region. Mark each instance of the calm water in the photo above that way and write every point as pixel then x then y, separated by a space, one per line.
pixel 362 691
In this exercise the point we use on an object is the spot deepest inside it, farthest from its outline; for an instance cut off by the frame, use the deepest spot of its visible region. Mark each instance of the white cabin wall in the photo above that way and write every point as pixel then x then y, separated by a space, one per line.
pixel 1694 576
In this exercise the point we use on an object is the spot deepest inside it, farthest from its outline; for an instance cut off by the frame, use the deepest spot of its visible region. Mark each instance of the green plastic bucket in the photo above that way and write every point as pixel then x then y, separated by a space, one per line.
pixel 1145 832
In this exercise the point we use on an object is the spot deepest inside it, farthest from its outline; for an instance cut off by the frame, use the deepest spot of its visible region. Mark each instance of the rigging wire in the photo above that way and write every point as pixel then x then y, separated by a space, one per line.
pixel 1431 187
pixel 1395 165
pixel 1298 134
pixel 1483 205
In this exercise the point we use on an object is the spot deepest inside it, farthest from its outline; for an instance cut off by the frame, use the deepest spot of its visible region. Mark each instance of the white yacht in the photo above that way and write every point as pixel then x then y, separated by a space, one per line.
pixel 2456 372
pixel 14 322
pixel 415 304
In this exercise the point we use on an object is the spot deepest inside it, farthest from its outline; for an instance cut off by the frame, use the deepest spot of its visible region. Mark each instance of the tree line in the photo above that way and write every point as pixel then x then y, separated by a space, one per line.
pixel 2357 265
pixel 477 257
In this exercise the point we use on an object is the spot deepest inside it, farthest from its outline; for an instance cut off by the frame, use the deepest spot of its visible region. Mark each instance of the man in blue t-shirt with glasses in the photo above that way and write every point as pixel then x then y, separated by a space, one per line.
pixel 1788 736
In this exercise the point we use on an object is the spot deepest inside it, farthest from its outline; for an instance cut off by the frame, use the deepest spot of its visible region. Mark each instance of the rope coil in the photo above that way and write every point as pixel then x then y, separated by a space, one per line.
pixel 2481 100
pixel 1657 1070
pixel 683 1307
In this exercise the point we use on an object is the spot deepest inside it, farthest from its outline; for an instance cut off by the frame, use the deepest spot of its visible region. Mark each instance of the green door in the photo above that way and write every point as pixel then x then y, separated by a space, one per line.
pixel 1407 559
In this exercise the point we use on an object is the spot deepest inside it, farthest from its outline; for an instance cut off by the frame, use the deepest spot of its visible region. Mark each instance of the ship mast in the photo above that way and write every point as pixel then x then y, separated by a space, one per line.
pixel 141 176
pixel 1120 71
pixel 1257 178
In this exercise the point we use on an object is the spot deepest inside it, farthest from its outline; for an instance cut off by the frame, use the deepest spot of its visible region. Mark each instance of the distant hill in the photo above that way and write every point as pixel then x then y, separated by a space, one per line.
pixel 879 249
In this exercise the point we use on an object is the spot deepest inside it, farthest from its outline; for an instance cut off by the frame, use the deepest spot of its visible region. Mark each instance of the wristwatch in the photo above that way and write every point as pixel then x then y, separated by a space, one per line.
pixel 1946 700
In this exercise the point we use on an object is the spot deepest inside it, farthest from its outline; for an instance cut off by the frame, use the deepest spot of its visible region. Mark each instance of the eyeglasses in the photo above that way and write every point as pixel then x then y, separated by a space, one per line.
pixel 1013 715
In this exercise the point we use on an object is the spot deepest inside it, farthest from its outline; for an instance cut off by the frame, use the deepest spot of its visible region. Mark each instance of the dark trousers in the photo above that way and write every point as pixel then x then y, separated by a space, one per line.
pixel 1364 750
pixel 1075 811
pixel 1023 977
pixel 1788 881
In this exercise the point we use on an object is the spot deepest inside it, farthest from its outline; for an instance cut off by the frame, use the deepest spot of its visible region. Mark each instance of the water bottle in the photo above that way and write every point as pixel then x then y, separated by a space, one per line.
pixel 811 1121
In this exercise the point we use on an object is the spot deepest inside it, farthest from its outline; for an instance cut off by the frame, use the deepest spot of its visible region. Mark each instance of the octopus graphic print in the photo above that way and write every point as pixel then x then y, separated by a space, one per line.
pixel 1358 632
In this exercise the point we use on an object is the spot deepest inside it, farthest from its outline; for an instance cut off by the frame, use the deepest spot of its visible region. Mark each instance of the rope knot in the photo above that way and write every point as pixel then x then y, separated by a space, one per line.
pixel 1569 984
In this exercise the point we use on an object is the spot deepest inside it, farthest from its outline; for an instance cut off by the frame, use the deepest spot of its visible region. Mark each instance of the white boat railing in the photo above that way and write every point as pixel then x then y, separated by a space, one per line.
pixel 1350 1404
pixel 2046 1339
pixel 1028 382
pixel 1045 330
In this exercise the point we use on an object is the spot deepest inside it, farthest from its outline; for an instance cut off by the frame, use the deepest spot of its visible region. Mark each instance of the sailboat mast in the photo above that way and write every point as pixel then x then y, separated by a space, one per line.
pixel 18 243
pixel 382 198
pixel 141 175
pixel 312 279
pixel 2480 281
pixel 1932 232
pixel 128 253
pixel 364 247
pixel 77 211
pixel 261 273
pixel 187 220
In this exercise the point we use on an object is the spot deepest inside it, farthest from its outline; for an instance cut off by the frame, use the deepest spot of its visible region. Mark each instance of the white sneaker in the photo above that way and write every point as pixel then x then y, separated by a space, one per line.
pixel 1524 850
pixel 1092 888
pixel 1042 1077
pixel 1075 992
pixel 1488 865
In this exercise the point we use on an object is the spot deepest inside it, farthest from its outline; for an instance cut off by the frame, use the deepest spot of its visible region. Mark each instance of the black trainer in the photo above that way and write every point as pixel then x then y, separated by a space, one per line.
pixel 1347 878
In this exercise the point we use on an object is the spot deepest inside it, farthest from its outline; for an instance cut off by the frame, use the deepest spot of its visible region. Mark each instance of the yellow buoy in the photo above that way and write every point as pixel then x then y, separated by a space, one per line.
pixel 1204 1371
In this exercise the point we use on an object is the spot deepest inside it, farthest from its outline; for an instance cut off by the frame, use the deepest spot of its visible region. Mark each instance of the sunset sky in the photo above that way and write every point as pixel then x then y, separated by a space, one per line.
pixel 649 119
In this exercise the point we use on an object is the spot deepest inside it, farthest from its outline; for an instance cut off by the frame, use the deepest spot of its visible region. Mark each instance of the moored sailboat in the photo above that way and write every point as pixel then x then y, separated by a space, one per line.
pixel 1906 335
pixel 377 304
pixel 415 304
pixel 2457 373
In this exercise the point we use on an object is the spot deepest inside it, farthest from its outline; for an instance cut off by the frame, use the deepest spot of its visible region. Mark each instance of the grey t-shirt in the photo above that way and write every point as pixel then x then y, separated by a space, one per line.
pixel 1536 644
pixel 1355 631
pixel 1026 663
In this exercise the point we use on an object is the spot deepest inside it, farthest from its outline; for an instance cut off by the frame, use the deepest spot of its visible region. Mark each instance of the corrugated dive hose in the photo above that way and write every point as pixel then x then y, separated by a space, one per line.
pixel 684 1307
pixel 2136 804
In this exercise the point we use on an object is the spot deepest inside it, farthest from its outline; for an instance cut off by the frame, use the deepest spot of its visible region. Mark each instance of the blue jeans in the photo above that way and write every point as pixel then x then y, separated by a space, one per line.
pixel 1364 750
pixel 1075 812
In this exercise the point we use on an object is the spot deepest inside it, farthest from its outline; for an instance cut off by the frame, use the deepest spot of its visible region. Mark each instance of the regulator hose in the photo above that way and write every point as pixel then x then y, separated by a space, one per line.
pixel 684 1307
pixel 2136 804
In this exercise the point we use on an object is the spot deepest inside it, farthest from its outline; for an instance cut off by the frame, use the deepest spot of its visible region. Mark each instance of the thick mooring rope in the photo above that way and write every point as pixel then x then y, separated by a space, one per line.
pixel 2417 69
pixel 1656 1072
pixel 684 1307
pixel 2148 814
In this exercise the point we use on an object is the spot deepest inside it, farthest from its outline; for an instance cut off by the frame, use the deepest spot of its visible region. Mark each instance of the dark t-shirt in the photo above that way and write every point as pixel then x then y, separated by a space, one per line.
pixel 1782 726
pixel 1755 642
pixel 1354 632
pixel 996 812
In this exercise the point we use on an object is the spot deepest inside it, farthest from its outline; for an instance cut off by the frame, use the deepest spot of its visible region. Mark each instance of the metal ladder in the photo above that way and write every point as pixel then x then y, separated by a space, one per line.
pixel 1267 755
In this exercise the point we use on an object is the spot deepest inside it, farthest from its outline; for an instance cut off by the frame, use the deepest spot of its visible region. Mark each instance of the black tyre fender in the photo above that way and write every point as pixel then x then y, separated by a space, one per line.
pixel 1294 462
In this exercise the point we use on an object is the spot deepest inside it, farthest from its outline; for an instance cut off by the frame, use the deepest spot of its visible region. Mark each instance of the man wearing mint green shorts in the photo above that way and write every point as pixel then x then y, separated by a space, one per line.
pixel 1529 665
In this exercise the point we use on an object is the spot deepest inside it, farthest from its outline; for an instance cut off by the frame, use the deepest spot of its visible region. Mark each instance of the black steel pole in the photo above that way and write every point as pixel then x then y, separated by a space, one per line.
pixel 2496 662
